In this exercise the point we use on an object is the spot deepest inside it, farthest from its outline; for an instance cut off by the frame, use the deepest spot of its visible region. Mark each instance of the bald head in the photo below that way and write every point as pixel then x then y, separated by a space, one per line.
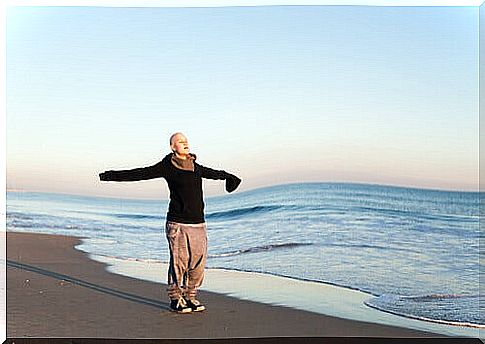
pixel 174 136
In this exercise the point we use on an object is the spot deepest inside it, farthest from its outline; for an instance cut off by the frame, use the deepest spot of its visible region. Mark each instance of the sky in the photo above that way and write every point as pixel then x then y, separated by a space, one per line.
pixel 273 94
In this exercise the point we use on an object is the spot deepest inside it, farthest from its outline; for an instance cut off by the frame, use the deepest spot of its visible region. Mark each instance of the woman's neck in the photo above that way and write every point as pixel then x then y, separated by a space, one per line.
pixel 183 157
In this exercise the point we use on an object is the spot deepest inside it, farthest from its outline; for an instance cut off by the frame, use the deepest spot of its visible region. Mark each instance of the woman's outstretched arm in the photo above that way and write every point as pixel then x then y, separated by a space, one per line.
pixel 141 173
pixel 232 182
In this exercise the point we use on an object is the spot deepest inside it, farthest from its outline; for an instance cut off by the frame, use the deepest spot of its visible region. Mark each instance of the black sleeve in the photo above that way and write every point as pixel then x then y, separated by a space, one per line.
pixel 210 173
pixel 141 173
pixel 232 182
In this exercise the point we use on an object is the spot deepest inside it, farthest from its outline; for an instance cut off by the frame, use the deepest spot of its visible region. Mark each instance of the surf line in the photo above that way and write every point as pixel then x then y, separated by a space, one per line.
pixel 97 287
pixel 410 316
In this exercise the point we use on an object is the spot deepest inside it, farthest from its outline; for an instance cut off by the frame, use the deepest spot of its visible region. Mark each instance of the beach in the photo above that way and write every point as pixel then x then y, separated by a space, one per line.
pixel 54 290
pixel 387 255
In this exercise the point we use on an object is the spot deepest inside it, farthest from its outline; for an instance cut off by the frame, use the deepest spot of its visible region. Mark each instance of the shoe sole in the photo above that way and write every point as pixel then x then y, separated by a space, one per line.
pixel 181 312
pixel 199 309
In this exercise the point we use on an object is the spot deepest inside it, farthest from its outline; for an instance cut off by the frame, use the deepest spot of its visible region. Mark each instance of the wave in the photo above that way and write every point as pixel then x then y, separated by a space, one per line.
pixel 60 222
pixel 328 213
pixel 136 216
pixel 18 215
pixel 292 244
pixel 258 249
pixel 416 215
pixel 128 259
pixel 243 211
pixel 438 297
pixel 372 247
pixel 392 299
pixel 12 225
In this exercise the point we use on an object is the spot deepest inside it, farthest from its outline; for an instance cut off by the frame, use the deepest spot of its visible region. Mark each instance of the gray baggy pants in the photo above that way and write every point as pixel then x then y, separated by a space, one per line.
pixel 188 252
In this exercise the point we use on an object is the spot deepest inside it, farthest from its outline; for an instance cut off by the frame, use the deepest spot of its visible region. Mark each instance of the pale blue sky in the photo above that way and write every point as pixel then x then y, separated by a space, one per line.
pixel 275 94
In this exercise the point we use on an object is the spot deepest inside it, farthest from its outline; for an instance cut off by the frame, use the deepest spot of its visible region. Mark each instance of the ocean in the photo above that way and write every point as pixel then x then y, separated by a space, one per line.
pixel 415 250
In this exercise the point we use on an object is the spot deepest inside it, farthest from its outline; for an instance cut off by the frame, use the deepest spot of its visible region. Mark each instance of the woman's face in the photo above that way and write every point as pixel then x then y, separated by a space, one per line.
pixel 180 145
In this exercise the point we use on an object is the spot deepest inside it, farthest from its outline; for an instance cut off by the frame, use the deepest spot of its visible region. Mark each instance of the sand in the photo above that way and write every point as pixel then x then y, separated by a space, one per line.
pixel 54 290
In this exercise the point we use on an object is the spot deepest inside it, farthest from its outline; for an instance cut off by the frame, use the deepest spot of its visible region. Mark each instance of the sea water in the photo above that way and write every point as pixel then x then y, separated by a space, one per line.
pixel 415 250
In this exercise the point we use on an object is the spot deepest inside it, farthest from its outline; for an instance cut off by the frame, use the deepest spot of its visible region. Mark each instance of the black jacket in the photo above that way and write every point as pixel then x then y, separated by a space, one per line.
pixel 186 198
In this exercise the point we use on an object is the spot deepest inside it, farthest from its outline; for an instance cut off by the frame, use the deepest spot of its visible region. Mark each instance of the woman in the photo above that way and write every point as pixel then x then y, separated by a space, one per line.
pixel 185 228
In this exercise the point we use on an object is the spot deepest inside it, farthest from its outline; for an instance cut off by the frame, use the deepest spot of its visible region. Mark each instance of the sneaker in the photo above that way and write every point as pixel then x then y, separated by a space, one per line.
pixel 195 305
pixel 180 306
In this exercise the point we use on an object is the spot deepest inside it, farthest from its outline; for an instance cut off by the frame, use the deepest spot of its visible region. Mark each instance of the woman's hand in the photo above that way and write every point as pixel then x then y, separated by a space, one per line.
pixel 105 176
pixel 232 182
